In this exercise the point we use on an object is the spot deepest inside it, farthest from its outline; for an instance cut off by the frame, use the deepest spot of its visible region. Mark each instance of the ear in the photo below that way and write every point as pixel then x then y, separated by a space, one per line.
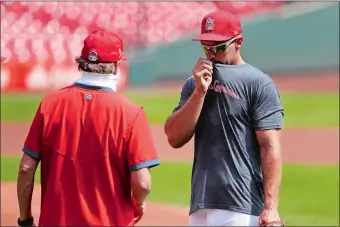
pixel 116 67
pixel 238 43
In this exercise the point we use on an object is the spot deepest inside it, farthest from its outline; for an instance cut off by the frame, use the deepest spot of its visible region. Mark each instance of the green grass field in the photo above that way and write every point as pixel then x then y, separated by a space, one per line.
pixel 301 109
pixel 309 194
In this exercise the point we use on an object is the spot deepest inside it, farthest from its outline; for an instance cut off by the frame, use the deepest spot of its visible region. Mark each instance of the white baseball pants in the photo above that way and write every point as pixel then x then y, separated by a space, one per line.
pixel 217 217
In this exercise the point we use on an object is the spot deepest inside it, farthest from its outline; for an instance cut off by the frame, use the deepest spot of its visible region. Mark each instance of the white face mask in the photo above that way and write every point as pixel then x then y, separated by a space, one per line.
pixel 115 78
pixel 100 80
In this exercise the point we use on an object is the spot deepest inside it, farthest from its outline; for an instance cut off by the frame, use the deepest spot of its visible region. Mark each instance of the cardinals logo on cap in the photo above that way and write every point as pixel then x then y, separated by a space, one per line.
pixel 209 24
pixel 93 56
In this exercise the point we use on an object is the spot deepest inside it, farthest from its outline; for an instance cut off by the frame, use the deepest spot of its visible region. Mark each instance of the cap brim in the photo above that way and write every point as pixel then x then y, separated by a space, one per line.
pixel 211 37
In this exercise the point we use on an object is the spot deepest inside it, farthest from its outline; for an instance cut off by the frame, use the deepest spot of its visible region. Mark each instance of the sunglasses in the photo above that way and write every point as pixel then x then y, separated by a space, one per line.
pixel 219 48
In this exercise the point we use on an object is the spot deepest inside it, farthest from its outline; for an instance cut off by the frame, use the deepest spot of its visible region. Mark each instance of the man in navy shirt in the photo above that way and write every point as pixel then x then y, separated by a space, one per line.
pixel 235 112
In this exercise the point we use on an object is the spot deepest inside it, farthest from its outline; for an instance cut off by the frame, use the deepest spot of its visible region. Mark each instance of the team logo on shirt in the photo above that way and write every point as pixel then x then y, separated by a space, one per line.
pixel 87 97
pixel 216 86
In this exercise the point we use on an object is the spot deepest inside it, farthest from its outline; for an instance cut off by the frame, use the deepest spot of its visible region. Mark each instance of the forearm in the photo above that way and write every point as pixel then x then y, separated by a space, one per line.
pixel 140 195
pixel 25 185
pixel 184 119
pixel 140 185
pixel 271 164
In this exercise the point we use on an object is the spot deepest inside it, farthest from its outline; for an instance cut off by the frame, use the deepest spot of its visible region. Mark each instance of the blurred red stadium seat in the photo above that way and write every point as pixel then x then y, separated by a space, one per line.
pixel 137 22
pixel 52 32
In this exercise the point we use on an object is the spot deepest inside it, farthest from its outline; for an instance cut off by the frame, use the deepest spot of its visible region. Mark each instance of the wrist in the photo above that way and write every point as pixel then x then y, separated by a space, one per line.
pixel 199 93
pixel 271 205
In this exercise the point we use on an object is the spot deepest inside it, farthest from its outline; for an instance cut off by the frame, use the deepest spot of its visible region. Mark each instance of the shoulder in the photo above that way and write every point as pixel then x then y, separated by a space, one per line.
pixel 127 111
pixel 125 103
pixel 189 85
pixel 257 79
pixel 263 86
pixel 259 76
pixel 120 105
pixel 50 100
pixel 189 81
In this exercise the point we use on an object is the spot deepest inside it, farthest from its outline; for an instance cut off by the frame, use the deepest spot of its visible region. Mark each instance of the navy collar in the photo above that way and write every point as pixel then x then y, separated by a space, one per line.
pixel 91 87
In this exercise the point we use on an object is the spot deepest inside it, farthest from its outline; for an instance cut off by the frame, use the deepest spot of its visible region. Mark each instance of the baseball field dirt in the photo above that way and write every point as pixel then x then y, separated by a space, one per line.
pixel 298 146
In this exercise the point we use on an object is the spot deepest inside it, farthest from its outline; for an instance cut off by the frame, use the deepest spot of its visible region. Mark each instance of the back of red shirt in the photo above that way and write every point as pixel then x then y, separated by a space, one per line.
pixel 88 139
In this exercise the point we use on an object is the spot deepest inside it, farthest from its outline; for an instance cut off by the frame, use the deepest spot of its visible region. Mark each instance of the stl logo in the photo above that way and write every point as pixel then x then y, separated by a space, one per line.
pixel 209 24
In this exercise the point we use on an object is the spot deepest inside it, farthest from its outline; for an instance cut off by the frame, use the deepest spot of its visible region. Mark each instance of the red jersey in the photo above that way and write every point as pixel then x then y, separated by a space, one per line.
pixel 88 140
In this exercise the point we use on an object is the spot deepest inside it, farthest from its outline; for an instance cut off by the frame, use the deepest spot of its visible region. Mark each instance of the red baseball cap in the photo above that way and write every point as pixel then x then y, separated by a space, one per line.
pixel 219 25
pixel 3 58
pixel 102 46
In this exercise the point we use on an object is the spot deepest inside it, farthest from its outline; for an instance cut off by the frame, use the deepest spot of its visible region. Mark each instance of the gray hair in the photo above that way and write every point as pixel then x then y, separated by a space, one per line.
pixel 102 68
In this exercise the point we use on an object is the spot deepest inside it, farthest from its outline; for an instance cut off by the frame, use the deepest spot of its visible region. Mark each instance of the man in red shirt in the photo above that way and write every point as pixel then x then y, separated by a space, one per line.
pixel 95 148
